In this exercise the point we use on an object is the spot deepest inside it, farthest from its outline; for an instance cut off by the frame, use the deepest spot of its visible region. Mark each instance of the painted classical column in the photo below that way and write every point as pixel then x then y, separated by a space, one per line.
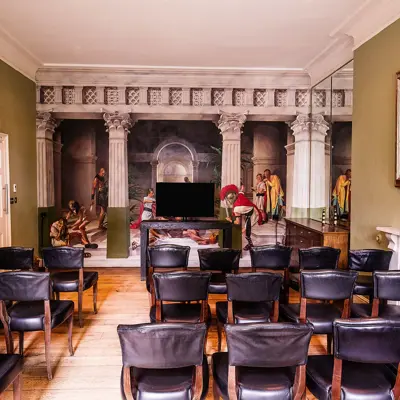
pixel 230 125
pixel 45 126
pixel 309 169
pixel 196 171
pixel 57 146
pixel 154 165
pixel 118 237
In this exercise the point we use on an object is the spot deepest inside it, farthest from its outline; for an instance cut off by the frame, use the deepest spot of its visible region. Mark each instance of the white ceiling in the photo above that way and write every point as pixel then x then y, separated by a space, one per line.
pixel 199 33
pixel 248 34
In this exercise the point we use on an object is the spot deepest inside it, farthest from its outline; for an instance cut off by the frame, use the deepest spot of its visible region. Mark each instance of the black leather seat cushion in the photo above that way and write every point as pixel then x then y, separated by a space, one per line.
pixel 180 312
pixel 217 284
pixel 10 367
pixel 359 381
pixel 29 315
pixel 388 311
pixel 254 383
pixel 364 285
pixel 168 384
pixel 244 312
pixel 69 281
pixel 321 315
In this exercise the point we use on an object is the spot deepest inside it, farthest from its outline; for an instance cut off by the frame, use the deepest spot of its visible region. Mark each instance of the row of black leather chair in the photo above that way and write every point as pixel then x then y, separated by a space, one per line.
pixel 30 301
pixel 254 298
pixel 264 361
pixel 275 257
pixel 66 265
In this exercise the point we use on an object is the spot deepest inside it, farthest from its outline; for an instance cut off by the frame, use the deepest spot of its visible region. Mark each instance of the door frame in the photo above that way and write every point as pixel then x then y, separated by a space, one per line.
pixel 4 137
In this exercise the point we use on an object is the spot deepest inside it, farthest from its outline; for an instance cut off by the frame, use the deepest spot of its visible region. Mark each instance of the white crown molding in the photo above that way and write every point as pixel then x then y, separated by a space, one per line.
pixel 372 18
pixel 173 77
pixel 366 22
pixel 338 53
pixel 17 56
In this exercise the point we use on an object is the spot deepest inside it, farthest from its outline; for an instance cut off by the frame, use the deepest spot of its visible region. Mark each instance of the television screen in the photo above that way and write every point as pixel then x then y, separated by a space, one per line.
pixel 185 199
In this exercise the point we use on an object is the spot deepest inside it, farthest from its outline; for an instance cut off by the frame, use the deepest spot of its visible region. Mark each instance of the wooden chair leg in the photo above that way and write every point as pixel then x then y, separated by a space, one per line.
pixel 17 387
pixel 329 338
pixel 70 327
pixel 95 288
pixel 80 301
pixel 47 342
pixel 21 343
pixel 219 331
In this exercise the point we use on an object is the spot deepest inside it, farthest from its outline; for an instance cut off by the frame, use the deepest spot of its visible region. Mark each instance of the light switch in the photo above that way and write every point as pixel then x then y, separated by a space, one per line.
pixel 15 188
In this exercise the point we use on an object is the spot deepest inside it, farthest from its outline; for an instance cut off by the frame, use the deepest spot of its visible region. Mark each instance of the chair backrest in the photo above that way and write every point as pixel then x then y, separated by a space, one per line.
pixel 367 340
pixel 16 258
pixel 168 256
pixel 63 257
pixel 319 258
pixel 162 345
pixel 24 286
pixel 254 286
pixel 268 345
pixel 181 286
pixel 387 285
pixel 225 260
pixel 270 257
pixel 327 284
pixel 370 260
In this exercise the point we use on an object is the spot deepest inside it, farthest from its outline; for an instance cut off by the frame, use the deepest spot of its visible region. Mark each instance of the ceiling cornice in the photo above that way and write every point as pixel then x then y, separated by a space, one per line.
pixel 17 56
pixel 366 22
pixel 172 76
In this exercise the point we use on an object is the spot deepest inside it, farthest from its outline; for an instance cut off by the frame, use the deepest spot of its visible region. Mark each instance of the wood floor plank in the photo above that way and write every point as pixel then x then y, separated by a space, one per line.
pixel 94 372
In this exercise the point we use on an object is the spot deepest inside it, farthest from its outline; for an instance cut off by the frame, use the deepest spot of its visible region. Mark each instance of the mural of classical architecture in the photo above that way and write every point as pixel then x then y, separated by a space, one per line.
pixel 200 127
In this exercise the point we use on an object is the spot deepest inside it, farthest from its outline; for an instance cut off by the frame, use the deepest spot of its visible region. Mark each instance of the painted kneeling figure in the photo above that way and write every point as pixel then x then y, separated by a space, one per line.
pixel 241 207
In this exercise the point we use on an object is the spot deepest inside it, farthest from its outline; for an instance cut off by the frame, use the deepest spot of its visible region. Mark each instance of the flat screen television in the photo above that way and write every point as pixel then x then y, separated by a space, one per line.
pixel 187 200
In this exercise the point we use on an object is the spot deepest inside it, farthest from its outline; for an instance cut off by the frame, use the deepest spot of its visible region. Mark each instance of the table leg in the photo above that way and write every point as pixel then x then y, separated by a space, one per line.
pixel 144 242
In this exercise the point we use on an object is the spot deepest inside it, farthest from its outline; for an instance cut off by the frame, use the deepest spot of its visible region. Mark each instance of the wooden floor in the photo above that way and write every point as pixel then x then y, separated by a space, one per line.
pixel 94 372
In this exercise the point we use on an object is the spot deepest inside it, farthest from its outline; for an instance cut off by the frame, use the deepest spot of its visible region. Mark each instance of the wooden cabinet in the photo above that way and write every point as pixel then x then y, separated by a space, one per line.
pixel 305 232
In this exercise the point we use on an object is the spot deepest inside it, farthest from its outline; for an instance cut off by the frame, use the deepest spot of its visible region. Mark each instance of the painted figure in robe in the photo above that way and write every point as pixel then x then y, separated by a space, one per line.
pixel 273 194
pixel 341 194
pixel 100 187
pixel 242 207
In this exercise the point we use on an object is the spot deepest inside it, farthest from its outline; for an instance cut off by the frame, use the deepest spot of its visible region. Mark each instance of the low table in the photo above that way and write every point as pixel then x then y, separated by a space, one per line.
pixel 145 226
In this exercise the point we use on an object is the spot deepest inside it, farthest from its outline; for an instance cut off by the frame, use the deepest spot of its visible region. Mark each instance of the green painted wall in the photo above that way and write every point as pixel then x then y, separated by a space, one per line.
pixel 18 120
pixel 375 200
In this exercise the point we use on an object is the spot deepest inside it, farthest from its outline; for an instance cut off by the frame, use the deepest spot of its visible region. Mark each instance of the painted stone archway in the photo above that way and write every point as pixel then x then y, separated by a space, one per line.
pixel 173 159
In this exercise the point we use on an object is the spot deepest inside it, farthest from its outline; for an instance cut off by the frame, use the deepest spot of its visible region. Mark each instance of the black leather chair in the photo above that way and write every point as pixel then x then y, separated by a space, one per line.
pixel 322 285
pixel 180 289
pixel 386 286
pixel 12 258
pixel 220 262
pixel 368 261
pixel 11 373
pixel 249 300
pixel 33 310
pixel 264 361
pixel 73 278
pixel 166 257
pixel 313 258
pixel 273 258
pixel 163 361
pixel 357 370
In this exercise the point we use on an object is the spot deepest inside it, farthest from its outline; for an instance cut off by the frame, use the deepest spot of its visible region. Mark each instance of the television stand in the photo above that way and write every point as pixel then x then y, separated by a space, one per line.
pixel 145 226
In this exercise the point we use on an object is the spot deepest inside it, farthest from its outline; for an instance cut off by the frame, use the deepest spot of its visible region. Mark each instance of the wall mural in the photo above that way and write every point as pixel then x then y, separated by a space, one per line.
pixel 158 151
